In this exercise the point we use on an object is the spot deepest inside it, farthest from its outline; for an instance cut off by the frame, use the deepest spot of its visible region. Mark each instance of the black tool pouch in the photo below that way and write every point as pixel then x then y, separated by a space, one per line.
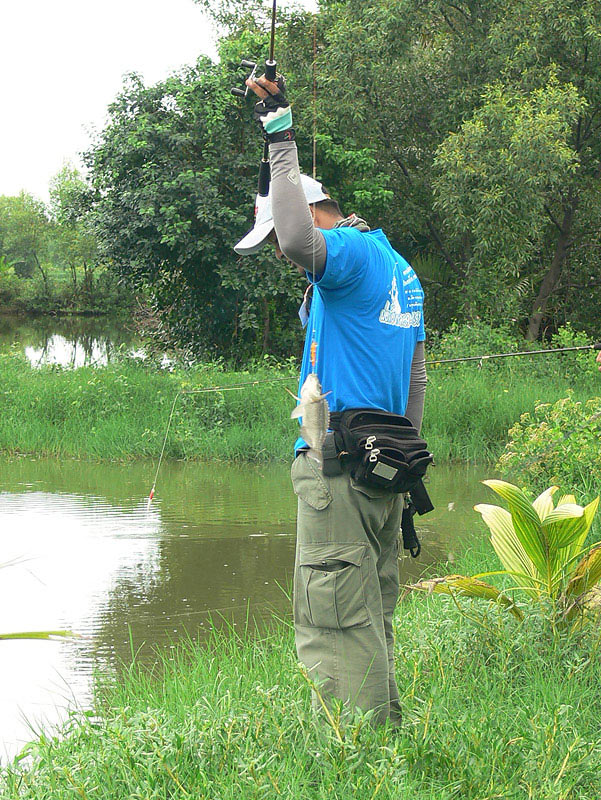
pixel 382 464
pixel 384 448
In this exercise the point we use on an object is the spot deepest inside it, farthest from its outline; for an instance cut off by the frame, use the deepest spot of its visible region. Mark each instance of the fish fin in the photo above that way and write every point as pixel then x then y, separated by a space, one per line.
pixel 296 412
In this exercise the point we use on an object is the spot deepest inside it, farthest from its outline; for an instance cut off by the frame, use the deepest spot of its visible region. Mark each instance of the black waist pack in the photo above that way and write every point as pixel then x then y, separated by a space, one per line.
pixel 384 450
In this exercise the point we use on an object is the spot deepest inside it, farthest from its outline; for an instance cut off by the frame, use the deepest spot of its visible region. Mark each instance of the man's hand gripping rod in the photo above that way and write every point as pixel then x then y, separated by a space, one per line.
pixel 270 74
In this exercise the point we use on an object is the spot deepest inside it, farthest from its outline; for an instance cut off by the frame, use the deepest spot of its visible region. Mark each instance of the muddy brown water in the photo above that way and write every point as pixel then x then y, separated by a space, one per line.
pixel 218 541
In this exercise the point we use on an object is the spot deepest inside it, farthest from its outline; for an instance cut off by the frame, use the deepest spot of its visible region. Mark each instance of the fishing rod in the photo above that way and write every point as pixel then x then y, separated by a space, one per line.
pixel 271 75
pixel 488 357
pixel 262 381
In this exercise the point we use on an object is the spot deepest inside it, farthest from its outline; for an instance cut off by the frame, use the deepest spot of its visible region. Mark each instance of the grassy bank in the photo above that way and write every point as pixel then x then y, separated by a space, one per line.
pixel 492 710
pixel 121 411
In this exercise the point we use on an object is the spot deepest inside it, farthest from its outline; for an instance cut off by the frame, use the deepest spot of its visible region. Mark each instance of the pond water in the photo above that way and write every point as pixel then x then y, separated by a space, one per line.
pixel 89 557
pixel 69 341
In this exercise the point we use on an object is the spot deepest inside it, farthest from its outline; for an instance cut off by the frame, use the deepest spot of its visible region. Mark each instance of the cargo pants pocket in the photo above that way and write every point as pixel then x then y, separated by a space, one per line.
pixel 330 586
pixel 309 484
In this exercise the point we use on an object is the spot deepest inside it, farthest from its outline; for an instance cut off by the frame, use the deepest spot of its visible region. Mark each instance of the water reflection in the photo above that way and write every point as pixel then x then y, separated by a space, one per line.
pixel 67 341
pixel 217 541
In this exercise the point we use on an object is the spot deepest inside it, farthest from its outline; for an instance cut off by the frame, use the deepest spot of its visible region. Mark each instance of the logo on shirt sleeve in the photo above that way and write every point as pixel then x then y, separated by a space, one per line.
pixel 392 314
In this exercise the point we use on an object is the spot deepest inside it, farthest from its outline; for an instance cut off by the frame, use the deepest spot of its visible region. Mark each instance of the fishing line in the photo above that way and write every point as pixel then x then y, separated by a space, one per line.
pixel 233 388
pixel 313 351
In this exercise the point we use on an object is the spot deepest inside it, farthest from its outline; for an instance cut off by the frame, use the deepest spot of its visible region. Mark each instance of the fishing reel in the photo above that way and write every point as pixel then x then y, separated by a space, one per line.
pixel 270 74
pixel 252 65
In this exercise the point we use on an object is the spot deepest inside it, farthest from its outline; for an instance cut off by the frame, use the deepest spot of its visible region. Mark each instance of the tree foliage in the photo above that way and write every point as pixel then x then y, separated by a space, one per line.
pixel 49 259
pixel 24 228
pixel 469 130
pixel 485 117
pixel 174 176
pixel 74 241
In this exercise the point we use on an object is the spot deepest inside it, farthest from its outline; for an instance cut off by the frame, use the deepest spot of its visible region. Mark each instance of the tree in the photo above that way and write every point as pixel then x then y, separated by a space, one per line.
pixel 23 234
pixel 75 243
pixel 468 129
pixel 174 177
pixel 485 117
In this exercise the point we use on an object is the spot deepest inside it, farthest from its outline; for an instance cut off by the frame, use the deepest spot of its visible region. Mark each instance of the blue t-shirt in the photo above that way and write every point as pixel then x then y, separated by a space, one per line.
pixel 367 313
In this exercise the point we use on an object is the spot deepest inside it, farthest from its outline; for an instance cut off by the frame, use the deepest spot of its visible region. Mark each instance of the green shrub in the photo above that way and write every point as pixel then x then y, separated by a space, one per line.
pixel 555 444
pixel 574 366
pixel 473 339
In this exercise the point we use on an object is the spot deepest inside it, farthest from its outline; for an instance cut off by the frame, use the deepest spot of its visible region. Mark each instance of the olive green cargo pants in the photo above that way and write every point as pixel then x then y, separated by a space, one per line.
pixel 346 586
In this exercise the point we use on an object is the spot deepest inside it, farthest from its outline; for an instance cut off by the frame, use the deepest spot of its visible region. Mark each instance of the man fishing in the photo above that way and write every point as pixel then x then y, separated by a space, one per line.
pixel 365 347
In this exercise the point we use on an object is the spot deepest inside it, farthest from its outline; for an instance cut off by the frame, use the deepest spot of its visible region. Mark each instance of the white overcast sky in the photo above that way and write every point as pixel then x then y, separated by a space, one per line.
pixel 62 63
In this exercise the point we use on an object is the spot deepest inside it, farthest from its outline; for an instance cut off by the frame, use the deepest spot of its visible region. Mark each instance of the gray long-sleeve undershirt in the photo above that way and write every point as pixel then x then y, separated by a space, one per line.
pixel 417 387
pixel 304 245
pixel 298 238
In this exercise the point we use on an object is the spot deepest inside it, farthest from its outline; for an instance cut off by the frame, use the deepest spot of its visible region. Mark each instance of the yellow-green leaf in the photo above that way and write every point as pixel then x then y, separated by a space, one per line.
pixel 38 635
pixel 543 504
pixel 563 525
pixel 587 574
pixel 526 522
pixel 506 544
pixel 573 550
pixel 467 587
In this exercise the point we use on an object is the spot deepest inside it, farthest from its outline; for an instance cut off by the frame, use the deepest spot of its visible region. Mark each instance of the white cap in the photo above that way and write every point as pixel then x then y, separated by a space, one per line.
pixel 255 238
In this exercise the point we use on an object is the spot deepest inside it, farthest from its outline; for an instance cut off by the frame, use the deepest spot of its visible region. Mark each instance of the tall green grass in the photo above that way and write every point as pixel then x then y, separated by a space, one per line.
pixel 121 411
pixel 469 410
pixel 492 709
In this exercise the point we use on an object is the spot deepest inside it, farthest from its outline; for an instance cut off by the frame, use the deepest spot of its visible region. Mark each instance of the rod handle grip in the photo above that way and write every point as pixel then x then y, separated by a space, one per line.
pixel 264 178
pixel 270 70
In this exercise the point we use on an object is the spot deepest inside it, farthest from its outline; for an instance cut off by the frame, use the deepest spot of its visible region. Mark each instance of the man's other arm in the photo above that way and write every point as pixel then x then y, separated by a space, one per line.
pixel 417 387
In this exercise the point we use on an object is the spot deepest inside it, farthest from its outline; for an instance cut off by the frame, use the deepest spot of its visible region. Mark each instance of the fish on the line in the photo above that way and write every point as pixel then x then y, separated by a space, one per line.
pixel 314 412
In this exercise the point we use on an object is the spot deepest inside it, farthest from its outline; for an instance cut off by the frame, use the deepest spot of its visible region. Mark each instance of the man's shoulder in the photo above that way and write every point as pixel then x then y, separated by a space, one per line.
pixel 354 238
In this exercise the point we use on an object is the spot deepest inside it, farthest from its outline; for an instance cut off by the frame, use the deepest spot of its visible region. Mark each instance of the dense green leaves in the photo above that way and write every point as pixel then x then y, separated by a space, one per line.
pixel 482 116
pixel 49 259
pixel 174 175
pixel 468 131
pixel 24 227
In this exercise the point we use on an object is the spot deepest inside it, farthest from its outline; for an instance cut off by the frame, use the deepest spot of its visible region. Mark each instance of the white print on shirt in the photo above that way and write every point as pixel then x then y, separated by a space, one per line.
pixel 391 314
pixel 408 276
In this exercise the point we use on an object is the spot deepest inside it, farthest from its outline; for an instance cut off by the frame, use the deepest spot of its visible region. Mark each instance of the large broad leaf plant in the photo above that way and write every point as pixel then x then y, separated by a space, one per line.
pixel 542 547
